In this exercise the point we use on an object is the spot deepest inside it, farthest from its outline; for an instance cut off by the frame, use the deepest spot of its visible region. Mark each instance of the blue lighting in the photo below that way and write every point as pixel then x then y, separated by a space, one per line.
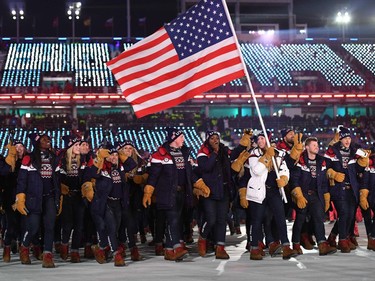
pixel 62 38
pixel 85 38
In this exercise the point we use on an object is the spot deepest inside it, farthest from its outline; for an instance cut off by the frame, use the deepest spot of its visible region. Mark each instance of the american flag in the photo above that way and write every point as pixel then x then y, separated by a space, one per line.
pixel 194 53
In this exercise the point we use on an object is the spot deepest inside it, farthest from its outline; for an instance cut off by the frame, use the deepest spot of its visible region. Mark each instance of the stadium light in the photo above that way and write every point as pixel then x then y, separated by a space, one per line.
pixel 343 18
pixel 18 13
pixel 73 12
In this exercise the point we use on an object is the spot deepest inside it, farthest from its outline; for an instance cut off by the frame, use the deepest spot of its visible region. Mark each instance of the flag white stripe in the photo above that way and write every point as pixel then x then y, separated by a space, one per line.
pixel 144 53
pixel 175 79
pixel 182 91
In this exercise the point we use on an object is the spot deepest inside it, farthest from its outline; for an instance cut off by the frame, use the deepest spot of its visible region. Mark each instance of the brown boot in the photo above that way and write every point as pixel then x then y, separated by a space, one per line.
pixel 48 260
pixel 64 251
pixel 118 259
pixel 169 255
pixel 74 257
pixel 88 253
pixel 159 249
pixel 37 252
pixel 332 240
pixel 221 253
pixel 123 249
pixel 353 240
pixel 297 247
pixel 352 245
pixel 274 248
pixel 288 252
pixel 99 254
pixel 6 254
pixel 256 254
pixel 180 253
pixel 370 243
pixel 344 246
pixel 326 249
pixel 305 241
pixel 261 246
pixel 25 255
pixel 134 254
pixel 202 246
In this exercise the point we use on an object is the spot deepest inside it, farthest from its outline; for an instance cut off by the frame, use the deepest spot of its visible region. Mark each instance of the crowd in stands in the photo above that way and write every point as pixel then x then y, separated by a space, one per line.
pixel 230 127
pixel 307 68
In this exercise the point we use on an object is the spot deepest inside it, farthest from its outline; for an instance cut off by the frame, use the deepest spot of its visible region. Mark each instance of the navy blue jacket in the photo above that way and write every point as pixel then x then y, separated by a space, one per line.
pixel 104 184
pixel 368 182
pixel 334 161
pixel 301 175
pixel 163 176
pixel 217 176
pixel 30 182
pixel 9 182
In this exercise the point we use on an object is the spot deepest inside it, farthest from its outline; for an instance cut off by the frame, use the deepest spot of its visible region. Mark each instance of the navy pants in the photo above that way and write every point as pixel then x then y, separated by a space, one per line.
pixel 346 209
pixel 215 215
pixel 47 219
pixel 72 216
pixel 173 234
pixel 315 209
pixel 274 201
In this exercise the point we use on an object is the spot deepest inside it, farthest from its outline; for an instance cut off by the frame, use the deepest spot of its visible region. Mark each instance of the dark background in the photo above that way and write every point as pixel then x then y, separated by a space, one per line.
pixel 41 14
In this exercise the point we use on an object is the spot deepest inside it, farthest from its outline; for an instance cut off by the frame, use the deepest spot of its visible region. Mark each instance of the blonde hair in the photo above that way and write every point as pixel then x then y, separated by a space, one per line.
pixel 69 157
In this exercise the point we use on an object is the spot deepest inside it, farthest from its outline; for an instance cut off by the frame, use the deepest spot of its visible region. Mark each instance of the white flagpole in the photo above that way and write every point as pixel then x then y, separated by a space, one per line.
pixel 282 192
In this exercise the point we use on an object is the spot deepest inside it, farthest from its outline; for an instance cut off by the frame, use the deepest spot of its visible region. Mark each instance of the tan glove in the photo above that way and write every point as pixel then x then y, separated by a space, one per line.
pixel 327 201
pixel 334 176
pixel 363 202
pixel 246 138
pixel 243 201
pixel 298 198
pixel 87 190
pixel 147 194
pixel 100 156
pixel 123 157
pixel 20 204
pixel 364 161
pixel 140 179
pixel 335 139
pixel 241 159
pixel 282 181
pixel 203 187
pixel 12 156
pixel 64 189
pixel 197 192
pixel 297 148
pixel 266 159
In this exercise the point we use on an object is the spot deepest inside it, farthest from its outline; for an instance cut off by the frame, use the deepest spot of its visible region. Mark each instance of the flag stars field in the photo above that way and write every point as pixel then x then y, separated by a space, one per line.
pixel 194 53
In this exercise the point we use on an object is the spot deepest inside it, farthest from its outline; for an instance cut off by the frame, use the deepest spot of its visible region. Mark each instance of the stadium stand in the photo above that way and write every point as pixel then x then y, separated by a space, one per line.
pixel 282 67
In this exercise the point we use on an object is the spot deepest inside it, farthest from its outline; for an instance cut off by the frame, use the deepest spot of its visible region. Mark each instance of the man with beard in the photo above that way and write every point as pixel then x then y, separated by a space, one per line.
pixel 311 195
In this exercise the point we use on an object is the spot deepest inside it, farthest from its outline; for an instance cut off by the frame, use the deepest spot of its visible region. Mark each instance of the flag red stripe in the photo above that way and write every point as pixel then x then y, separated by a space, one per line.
pixel 161 106
pixel 154 69
pixel 168 75
pixel 144 60
pixel 183 83
pixel 140 47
